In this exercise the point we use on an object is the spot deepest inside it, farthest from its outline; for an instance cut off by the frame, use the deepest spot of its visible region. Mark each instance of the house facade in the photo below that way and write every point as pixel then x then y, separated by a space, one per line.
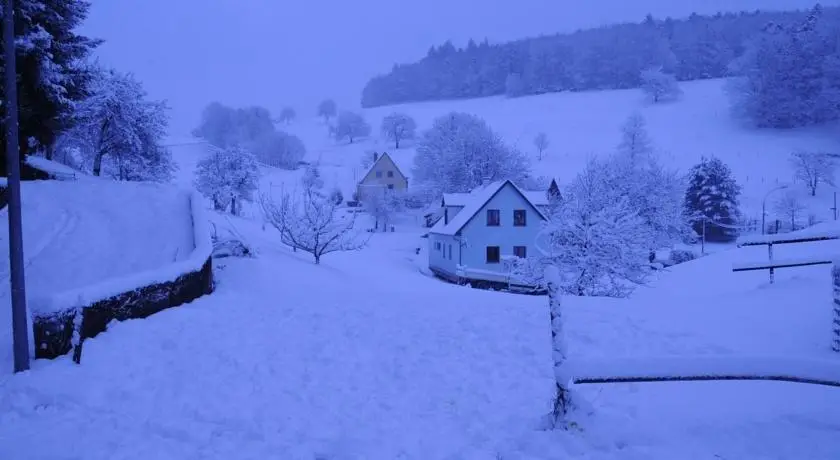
pixel 480 231
pixel 384 174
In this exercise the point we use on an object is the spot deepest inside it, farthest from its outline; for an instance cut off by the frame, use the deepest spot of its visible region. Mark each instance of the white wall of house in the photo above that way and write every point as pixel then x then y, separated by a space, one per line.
pixel 478 236
pixel 444 252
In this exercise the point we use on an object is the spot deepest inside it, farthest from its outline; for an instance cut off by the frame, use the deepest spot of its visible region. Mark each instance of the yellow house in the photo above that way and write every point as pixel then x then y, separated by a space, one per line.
pixel 383 175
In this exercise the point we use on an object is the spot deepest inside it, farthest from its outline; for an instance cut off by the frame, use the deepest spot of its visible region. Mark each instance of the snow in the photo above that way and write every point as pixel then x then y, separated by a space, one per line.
pixel 472 203
pixel 815 233
pixel 58 170
pixel 80 235
pixel 332 361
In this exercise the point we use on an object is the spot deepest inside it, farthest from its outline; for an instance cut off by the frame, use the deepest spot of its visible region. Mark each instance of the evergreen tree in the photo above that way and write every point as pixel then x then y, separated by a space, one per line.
pixel 51 76
pixel 712 199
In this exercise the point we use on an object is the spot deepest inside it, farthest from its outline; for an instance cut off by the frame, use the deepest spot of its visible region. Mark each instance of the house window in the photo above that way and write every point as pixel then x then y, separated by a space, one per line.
pixel 519 218
pixel 390 186
pixel 378 174
pixel 492 254
pixel 390 173
pixel 493 218
pixel 520 251
pixel 450 252
pixel 437 245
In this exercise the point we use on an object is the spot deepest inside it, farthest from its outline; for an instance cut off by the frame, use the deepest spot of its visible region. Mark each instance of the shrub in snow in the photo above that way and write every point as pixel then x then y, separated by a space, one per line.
pixel 279 149
pixel 119 132
pixel 225 126
pixel 336 196
pixel 350 126
pixel 327 109
pixel 312 223
pixel 227 176
pixel 535 184
pixel 712 197
pixel 398 127
pixel 596 239
pixel 312 180
pixel 459 151
pixel 660 86
pixel 813 168
pixel 679 256
pixel 541 143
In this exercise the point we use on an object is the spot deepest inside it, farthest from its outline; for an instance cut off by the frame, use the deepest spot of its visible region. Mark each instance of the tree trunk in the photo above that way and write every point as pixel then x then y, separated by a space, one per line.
pixel 97 163
pixel 397 147
pixel 562 398
pixel 317 259
pixel 49 152
pixel 233 205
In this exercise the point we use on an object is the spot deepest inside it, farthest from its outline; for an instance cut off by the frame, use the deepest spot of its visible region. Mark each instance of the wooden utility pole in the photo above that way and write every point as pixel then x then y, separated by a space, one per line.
pixel 20 334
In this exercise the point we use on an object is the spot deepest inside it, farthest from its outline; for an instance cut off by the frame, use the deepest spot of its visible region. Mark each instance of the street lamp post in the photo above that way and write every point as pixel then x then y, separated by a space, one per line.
pixel 20 335
pixel 764 206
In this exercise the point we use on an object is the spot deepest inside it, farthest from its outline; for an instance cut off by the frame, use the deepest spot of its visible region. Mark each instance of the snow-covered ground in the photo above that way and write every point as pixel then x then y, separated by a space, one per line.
pixel 77 233
pixel 365 358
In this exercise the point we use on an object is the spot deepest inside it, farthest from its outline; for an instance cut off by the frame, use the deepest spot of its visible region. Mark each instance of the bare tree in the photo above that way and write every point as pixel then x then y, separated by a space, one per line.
pixel 397 127
pixel 310 222
pixel 287 115
pixel 660 86
pixel 791 207
pixel 541 143
pixel 382 205
pixel 327 109
pixel 813 168
pixel 351 125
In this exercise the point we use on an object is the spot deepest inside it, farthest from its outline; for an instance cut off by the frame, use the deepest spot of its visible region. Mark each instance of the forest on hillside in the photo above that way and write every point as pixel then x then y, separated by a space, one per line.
pixel 609 57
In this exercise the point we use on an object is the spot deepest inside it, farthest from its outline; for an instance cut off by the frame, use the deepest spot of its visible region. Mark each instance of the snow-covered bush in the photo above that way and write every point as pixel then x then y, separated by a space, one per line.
pixel 460 151
pixel 398 127
pixel 790 207
pixel 225 127
pixel 336 196
pixel 279 149
pixel 660 86
pixel 351 126
pixel 383 206
pixel 636 145
pixel 679 256
pixel 227 177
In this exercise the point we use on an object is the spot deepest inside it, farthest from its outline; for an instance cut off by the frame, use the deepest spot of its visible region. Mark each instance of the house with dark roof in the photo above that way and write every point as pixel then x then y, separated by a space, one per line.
pixel 383 175
pixel 483 231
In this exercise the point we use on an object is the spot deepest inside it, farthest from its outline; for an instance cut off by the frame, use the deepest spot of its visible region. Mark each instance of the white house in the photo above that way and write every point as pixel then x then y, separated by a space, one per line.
pixel 481 229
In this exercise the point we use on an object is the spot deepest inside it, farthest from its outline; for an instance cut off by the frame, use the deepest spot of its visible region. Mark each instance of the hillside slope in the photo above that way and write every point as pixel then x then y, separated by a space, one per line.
pixel 583 124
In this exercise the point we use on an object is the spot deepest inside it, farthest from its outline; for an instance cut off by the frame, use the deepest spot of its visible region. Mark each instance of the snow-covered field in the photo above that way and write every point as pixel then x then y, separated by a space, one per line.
pixel 78 233
pixel 368 357
pixel 292 360
pixel 589 123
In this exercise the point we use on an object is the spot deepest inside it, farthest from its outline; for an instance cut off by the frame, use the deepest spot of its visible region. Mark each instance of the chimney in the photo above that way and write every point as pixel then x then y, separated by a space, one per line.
pixel 445 216
pixel 375 156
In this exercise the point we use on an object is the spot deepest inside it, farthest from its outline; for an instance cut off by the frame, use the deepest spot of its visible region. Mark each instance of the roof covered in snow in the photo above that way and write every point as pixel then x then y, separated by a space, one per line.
pixel 52 168
pixel 400 164
pixel 473 202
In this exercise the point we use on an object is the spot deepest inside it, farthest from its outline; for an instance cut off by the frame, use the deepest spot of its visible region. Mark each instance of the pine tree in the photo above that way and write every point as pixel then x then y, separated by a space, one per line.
pixel 711 199
pixel 51 76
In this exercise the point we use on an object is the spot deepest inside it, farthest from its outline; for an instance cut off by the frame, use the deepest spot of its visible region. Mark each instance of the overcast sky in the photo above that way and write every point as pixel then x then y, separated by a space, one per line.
pixel 295 52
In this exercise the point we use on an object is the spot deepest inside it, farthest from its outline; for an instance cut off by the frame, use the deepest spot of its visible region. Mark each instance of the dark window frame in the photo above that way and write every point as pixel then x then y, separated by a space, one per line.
pixel 497 220
pixel 487 255
pixel 524 251
pixel 520 218
pixel 390 174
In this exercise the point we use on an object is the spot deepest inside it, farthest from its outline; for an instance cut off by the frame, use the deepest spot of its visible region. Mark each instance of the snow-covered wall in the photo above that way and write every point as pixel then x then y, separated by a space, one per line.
pixel 134 296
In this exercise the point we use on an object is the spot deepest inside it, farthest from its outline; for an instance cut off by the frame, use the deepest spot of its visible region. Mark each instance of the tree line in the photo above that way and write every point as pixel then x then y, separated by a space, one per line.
pixel 609 57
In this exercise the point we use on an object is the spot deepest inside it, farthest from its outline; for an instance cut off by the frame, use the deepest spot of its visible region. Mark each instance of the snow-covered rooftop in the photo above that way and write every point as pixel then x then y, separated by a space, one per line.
pixel 51 167
pixel 474 200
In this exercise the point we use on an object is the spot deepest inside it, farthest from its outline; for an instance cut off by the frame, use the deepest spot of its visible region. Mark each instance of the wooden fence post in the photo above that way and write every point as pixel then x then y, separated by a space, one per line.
pixel 562 397
pixel 835 324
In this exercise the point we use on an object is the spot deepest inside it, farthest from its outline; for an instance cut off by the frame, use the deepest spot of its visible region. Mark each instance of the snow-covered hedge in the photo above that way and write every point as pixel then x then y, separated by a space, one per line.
pixel 134 296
